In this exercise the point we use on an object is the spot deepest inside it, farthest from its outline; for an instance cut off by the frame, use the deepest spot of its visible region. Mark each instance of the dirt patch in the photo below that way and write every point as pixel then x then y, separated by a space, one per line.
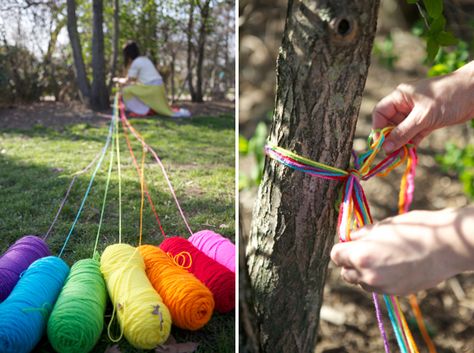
pixel 58 114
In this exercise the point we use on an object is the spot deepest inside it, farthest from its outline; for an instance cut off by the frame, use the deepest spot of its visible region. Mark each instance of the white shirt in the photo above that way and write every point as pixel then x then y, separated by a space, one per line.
pixel 144 71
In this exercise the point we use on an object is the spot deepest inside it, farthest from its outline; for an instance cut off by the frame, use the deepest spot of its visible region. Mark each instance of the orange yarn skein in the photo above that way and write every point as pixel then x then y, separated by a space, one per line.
pixel 189 301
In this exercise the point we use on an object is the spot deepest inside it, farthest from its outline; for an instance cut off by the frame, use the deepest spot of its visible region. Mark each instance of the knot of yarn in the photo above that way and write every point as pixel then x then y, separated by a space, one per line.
pixel 354 210
pixel 355 173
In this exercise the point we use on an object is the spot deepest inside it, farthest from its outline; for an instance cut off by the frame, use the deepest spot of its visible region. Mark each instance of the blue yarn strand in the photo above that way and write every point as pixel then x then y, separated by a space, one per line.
pixel 99 163
pixel 24 314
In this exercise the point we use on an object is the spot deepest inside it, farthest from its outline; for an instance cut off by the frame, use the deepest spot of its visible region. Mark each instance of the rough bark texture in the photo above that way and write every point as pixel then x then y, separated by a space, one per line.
pixel 99 93
pixel 115 43
pixel 80 69
pixel 205 11
pixel 189 58
pixel 321 73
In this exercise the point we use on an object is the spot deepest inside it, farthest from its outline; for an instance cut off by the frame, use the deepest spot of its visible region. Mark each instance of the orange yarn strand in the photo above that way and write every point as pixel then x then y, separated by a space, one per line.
pixel 189 301
pixel 421 324
pixel 142 198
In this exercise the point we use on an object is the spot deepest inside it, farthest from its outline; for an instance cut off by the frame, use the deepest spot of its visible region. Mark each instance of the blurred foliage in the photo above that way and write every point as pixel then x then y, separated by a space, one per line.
pixel 434 31
pixel 254 147
pixel 384 52
pixel 449 61
pixel 460 160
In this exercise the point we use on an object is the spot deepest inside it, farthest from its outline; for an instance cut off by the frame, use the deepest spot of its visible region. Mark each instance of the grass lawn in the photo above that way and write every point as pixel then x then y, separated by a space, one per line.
pixel 36 167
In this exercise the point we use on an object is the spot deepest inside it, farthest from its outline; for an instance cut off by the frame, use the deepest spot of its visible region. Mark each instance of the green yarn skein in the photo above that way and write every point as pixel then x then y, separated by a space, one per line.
pixel 77 319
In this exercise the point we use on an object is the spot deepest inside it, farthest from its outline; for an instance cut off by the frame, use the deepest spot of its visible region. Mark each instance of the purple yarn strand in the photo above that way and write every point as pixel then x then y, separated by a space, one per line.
pixel 378 314
pixel 17 259
pixel 63 202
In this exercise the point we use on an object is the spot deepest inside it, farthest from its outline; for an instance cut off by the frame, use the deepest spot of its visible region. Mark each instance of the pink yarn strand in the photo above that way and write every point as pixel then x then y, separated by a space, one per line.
pixel 158 160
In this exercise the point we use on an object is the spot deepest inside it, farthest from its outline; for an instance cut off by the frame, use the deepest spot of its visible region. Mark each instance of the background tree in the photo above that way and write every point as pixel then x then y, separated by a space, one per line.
pixel 321 73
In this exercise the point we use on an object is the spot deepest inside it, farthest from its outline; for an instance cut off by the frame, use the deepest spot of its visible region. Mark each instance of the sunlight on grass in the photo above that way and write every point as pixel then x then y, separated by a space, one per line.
pixel 36 167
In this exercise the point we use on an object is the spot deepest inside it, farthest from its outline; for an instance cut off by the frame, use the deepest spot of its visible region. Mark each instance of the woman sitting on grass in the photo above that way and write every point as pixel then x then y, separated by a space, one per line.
pixel 144 92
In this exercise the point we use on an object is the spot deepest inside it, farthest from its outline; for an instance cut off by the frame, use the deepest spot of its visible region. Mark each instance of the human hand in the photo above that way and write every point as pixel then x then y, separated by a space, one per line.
pixel 419 108
pixel 409 252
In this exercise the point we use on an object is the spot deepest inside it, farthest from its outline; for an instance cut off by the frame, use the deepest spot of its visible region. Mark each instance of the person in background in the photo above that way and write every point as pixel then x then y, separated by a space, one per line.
pixel 418 249
pixel 143 89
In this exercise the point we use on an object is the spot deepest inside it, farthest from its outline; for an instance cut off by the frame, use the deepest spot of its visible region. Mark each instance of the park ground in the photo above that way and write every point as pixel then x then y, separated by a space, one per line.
pixel 43 144
pixel 348 323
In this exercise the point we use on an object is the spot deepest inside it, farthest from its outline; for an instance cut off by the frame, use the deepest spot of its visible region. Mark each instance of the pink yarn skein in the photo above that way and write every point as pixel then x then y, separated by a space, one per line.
pixel 216 247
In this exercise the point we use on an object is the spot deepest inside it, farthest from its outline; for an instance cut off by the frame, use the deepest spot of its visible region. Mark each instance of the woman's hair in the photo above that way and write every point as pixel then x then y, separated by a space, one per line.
pixel 130 52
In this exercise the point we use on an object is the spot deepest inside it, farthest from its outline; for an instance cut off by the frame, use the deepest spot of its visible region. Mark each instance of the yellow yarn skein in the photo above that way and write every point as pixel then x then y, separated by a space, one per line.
pixel 143 317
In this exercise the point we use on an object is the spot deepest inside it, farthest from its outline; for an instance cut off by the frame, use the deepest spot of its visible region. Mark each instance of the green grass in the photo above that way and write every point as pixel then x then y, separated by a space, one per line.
pixel 36 167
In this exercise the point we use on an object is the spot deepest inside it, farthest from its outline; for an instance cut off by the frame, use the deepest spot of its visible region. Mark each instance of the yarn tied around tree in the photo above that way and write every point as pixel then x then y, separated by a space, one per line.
pixel 354 211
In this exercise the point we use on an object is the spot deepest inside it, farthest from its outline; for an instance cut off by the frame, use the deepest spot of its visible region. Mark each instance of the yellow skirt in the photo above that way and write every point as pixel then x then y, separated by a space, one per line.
pixel 152 96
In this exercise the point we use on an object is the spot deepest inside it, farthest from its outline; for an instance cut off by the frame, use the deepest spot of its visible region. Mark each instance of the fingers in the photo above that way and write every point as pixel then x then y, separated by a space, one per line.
pixel 391 110
pixel 340 255
pixel 404 132
pixel 350 275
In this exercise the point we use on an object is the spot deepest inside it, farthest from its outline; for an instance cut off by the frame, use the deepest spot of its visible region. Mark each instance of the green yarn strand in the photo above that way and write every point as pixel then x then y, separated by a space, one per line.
pixel 77 319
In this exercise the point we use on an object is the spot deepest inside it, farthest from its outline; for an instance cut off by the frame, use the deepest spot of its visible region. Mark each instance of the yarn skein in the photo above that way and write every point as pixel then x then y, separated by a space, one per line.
pixel 24 314
pixel 218 278
pixel 143 317
pixel 17 259
pixel 77 319
pixel 216 247
pixel 190 302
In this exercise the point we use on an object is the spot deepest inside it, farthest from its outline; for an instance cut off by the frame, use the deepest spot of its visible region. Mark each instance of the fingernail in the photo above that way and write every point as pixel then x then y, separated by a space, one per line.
pixel 388 146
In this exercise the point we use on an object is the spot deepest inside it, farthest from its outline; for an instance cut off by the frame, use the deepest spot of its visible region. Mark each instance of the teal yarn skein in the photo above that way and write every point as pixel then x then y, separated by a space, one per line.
pixel 77 319
pixel 24 314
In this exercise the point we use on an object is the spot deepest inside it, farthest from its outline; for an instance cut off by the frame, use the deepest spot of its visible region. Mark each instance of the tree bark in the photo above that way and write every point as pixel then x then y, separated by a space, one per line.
pixel 80 68
pixel 189 57
pixel 205 10
pixel 115 43
pixel 99 93
pixel 321 72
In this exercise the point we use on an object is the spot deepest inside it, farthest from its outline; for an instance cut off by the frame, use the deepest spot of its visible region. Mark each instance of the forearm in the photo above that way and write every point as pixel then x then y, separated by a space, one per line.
pixel 463 224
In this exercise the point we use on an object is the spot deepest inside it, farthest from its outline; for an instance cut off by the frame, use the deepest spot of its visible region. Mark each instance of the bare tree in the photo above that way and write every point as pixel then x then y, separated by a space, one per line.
pixel 80 68
pixel 321 73
pixel 115 43
pixel 205 12
pixel 99 93
pixel 189 58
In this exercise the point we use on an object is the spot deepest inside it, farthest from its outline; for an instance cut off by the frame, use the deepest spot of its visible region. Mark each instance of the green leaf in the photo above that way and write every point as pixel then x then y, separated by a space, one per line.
pixel 243 145
pixel 446 38
pixel 434 7
pixel 437 25
pixel 432 48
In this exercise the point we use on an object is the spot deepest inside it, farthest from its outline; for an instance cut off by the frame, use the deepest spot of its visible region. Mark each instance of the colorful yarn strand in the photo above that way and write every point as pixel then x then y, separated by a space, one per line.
pixel 77 319
pixel 24 314
pixel 144 319
pixel 354 209
pixel 17 259
pixel 216 247
pixel 89 187
pixel 190 302
pixel 218 278
pixel 126 124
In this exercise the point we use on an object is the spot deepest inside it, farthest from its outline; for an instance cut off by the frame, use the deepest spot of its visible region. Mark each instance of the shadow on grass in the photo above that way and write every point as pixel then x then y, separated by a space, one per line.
pixel 30 194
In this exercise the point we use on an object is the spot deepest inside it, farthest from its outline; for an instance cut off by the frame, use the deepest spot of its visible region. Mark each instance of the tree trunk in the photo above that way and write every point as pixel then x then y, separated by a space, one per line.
pixel 115 43
pixel 99 93
pixel 190 50
pixel 321 73
pixel 81 75
pixel 205 13
pixel 172 74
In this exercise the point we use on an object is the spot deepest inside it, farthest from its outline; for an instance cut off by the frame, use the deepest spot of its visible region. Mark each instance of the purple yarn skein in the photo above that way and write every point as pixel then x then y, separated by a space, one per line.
pixel 17 259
